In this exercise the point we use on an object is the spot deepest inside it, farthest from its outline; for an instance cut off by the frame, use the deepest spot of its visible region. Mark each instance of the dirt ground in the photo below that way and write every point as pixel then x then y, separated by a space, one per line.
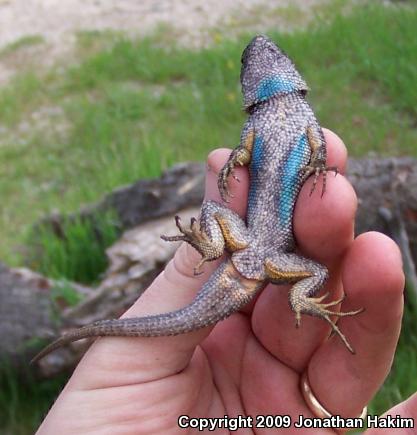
pixel 55 19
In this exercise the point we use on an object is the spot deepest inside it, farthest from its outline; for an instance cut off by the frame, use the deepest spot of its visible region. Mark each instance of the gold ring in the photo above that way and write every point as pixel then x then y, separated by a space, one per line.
pixel 312 402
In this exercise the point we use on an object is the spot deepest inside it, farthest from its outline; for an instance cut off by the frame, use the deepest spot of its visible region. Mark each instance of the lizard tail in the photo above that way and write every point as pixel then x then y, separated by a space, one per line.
pixel 223 294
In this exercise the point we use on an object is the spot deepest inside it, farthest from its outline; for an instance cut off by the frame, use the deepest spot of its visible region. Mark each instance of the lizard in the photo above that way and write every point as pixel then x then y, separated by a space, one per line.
pixel 282 144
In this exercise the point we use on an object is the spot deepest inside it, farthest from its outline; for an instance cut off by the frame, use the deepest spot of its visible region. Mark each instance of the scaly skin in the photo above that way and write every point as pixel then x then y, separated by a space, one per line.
pixel 283 144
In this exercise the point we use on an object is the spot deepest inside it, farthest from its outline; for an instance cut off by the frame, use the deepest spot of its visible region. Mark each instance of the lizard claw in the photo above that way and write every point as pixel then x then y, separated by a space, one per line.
pixel 316 307
pixel 317 169
pixel 198 238
pixel 179 237
pixel 186 235
pixel 178 223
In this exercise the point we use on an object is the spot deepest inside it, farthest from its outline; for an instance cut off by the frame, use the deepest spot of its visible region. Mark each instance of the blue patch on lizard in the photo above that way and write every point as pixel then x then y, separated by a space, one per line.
pixel 271 86
pixel 256 165
pixel 289 181
pixel 257 154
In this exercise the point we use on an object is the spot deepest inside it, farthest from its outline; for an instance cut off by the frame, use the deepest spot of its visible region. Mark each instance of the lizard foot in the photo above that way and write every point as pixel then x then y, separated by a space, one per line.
pixel 318 168
pixel 316 307
pixel 198 239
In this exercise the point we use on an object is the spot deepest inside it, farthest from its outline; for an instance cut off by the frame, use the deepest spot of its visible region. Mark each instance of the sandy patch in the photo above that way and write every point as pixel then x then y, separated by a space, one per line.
pixel 55 19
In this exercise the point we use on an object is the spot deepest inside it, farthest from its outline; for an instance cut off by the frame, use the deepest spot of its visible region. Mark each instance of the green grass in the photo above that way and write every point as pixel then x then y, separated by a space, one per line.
pixel 25 41
pixel 130 108
pixel 402 380
pixel 77 252
pixel 16 98
pixel 24 400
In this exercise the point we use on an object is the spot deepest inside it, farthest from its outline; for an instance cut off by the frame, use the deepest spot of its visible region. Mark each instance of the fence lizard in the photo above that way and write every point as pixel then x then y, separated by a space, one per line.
pixel 282 144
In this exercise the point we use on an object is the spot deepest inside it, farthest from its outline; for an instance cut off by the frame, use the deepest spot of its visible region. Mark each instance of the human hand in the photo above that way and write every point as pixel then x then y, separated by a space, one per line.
pixel 249 364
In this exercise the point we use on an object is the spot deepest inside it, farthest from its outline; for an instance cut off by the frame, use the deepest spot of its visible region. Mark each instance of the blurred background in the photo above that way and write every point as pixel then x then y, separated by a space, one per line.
pixel 95 95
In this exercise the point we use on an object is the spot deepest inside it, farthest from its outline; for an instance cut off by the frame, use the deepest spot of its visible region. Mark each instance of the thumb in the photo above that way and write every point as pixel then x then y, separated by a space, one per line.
pixel 113 361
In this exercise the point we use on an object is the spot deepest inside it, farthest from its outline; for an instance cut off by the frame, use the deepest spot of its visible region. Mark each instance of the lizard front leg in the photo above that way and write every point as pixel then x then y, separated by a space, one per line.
pixel 240 156
pixel 217 230
pixel 317 164
pixel 308 278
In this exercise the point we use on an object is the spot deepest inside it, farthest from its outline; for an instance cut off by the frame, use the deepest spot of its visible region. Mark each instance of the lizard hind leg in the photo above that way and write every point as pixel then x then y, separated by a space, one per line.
pixel 210 249
pixel 308 278
pixel 218 229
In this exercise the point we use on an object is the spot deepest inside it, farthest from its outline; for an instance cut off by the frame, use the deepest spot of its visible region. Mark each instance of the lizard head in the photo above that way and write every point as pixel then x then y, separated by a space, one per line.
pixel 266 72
